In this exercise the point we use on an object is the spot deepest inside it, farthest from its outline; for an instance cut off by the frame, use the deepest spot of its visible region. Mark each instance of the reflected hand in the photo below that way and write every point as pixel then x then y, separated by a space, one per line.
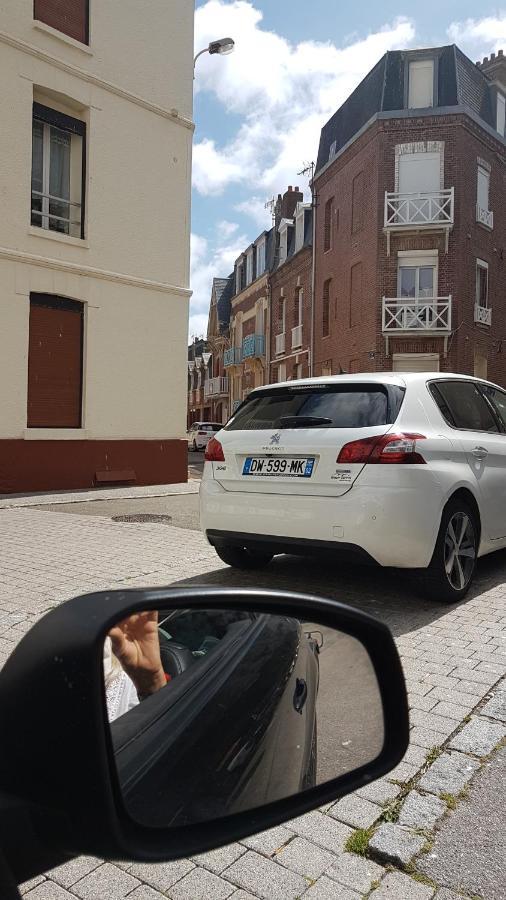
pixel 135 643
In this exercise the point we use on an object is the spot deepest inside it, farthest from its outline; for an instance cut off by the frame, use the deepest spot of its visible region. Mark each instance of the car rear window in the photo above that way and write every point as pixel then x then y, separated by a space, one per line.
pixel 346 405
pixel 210 426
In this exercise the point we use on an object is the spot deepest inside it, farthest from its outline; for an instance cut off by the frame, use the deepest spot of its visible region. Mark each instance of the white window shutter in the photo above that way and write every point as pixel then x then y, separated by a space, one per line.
pixel 421 84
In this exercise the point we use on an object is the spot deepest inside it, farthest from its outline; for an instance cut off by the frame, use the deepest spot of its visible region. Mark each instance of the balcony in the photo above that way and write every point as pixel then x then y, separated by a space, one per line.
pixel 484 216
pixel 482 315
pixel 425 211
pixel 253 346
pixel 280 343
pixel 425 317
pixel 232 357
pixel 296 337
pixel 216 387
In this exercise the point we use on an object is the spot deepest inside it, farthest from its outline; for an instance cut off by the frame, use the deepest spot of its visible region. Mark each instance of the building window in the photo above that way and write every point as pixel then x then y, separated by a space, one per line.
pixel 299 229
pixel 483 214
pixel 501 113
pixel 249 267
pixel 481 284
pixel 297 307
pixel 327 225
pixel 281 315
pixel 58 171
pixel 419 173
pixel 417 278
pixel 298 370
pixel 55 362
pixel 239 277
pixel 326 308
pixel 261 257
pixel 71 17
pixel 283 243
pixel 421 84
pixel 357 213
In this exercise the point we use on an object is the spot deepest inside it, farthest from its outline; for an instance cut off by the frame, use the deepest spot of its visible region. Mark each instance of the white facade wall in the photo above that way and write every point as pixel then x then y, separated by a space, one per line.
pixel 133 88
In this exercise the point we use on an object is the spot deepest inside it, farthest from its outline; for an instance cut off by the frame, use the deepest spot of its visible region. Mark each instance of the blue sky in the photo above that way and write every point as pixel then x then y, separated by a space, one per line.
pixel 259 111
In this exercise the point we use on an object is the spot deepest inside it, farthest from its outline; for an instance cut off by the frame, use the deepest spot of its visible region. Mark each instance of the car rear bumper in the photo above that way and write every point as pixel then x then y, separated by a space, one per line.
pixel 389 527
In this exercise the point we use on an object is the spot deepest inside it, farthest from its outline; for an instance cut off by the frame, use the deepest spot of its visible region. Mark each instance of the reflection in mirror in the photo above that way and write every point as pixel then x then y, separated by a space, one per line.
pixel 214 712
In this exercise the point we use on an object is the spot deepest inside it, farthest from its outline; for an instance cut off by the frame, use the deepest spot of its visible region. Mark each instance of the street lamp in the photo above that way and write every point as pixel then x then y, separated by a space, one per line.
pixel 223 46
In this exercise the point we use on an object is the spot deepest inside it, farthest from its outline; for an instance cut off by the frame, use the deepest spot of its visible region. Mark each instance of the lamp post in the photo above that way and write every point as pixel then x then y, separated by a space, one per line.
pixel 223 47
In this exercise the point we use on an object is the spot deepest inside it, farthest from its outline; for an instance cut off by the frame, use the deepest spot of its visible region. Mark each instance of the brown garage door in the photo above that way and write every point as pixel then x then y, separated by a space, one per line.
pixel 55 362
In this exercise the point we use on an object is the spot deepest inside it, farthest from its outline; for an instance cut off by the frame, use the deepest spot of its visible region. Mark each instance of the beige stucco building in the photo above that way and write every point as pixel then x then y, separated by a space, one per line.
pixel 95 162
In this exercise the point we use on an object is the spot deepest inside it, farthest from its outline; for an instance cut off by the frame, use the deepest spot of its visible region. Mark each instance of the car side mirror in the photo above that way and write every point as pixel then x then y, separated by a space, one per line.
pixel 155 724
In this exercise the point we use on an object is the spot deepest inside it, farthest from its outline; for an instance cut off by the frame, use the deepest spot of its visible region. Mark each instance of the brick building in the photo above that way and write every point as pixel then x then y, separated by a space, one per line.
pixel 216 389
pixel 199 370
pixel 411 222
pixel 290 291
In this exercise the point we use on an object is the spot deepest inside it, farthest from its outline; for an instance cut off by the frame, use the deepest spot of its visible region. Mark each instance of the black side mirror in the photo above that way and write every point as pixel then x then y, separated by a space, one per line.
pixel 261 706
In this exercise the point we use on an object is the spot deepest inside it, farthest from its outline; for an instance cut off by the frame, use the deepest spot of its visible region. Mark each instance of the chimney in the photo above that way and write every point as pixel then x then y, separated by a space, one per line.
pixel 495 69
pixel 290 199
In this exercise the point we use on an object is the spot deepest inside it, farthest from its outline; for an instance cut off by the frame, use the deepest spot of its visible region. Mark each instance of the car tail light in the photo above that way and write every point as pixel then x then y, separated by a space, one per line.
pixel 214 451
pixel 387 448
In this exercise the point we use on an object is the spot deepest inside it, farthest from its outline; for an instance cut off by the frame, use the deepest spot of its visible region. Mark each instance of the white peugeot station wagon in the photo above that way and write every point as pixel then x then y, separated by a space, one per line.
pixel 399 470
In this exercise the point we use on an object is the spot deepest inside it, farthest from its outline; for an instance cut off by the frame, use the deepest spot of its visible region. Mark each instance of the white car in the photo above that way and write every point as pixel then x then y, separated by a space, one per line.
pixel 399 470
pixel 200 433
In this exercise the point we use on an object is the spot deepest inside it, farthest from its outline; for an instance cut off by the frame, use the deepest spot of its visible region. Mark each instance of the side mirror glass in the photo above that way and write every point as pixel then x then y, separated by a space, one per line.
pixel 219 711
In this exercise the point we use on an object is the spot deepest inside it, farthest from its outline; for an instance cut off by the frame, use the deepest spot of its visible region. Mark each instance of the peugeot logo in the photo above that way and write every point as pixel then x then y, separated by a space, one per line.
pixel 275 439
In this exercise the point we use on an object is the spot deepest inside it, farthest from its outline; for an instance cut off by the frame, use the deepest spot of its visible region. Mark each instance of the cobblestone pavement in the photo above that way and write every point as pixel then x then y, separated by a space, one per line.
pixel 453 659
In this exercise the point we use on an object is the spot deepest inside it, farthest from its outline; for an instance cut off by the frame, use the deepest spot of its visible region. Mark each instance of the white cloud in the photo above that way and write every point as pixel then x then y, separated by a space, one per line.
pixel 255 209
pixel 225 229
pixel 479 37
pixel 211 259
pixel 283 92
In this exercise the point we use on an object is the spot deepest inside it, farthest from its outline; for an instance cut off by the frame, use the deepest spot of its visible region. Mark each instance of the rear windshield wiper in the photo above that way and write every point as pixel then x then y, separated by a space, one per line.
pixel 303 421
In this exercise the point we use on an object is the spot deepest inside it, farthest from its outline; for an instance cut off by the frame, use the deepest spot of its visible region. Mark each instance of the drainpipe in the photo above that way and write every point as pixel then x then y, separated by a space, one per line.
pixel 268 330
pixel 313 274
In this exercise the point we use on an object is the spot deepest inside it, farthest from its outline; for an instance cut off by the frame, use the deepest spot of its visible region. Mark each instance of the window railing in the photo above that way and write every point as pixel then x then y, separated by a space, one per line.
pixel 419 210
pixel 296 337
pixel 425 314
pixel 484 216
pixel 216 386
pixel 253 345
pixel 482 315
pixel 280 343
pixel 232 357
pixel 48 201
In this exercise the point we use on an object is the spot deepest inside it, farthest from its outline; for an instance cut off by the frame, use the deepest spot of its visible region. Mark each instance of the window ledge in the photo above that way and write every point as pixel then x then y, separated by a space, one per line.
pixel 56 236
pixel 61 36
pixel 55 434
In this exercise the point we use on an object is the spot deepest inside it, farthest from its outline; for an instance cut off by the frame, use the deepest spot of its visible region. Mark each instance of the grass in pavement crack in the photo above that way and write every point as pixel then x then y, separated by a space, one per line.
pixel 358 842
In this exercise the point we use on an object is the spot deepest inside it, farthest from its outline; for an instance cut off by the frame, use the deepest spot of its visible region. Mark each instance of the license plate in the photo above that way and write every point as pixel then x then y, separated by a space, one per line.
pixel 289 467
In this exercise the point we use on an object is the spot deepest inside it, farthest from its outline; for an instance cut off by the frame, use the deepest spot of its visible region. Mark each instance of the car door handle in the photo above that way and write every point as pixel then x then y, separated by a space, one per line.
pixel 480 452
pixel 300 695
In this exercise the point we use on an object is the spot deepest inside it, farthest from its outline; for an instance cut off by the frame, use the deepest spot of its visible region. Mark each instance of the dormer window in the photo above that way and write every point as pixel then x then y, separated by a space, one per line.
pixel 501 113
pixel 283 240
pixel 421 84
pixel 299 227
pixel 238 277
pixel 261 257
pixel 249 266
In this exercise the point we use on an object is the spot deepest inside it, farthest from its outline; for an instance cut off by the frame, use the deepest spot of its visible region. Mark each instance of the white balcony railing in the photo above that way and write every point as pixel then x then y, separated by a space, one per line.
pixel 426 209
pixel 216 386
pixel 482 315
pixel 296 337
pixel 280 343
pixel 484 216
pixel 432 315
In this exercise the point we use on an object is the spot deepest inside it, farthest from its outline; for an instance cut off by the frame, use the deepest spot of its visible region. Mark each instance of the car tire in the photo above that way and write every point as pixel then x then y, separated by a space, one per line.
pixel 451 570
pixel 242 558
pixel 194 446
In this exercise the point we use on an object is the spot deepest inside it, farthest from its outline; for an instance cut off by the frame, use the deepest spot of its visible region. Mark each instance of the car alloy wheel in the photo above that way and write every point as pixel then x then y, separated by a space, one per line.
pixel 459 550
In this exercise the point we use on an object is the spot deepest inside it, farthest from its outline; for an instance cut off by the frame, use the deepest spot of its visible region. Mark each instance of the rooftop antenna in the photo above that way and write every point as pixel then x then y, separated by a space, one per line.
pixel 308 171
pixel 271 204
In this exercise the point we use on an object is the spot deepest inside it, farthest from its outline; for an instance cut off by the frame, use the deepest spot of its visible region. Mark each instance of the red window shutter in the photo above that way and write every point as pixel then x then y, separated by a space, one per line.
pixel 55 362
pixel 68 16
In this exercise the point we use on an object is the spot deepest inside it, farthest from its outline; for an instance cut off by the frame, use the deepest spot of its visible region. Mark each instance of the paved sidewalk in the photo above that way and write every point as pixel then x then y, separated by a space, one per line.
pixel 453 658
pixel 14 501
